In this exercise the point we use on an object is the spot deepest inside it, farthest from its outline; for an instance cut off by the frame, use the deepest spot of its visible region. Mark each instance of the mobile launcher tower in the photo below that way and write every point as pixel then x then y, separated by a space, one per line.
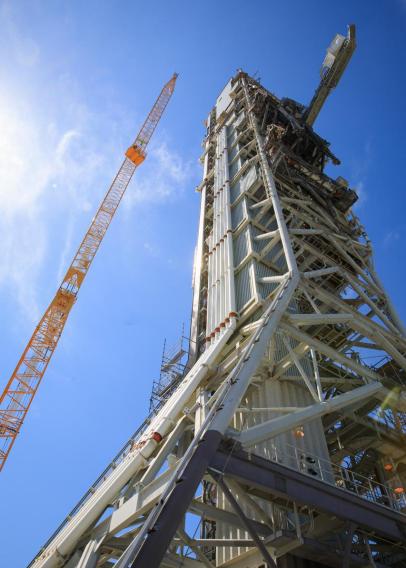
pixel 282 444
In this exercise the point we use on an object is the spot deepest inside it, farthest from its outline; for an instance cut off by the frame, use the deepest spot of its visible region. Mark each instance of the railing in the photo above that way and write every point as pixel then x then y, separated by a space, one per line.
pixel 339 476
pixel 290 456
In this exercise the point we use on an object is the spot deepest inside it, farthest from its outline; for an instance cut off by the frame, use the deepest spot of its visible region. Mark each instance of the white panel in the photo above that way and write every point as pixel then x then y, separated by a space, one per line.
pixel 249 178
pixel 224 99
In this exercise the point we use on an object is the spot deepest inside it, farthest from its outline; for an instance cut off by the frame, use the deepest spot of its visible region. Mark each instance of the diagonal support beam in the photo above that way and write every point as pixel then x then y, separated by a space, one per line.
pixel 268 235
pixel 299 367
pixel 329 352
pixel 150 545
pixel 259 512
pixel 246 522
pixel 192 544
pixel 277 426
pixel 348 543
pixel 321 272
pixel 216 514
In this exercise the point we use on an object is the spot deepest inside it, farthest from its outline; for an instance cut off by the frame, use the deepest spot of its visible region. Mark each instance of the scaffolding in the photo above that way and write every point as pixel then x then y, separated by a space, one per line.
pixel 173 368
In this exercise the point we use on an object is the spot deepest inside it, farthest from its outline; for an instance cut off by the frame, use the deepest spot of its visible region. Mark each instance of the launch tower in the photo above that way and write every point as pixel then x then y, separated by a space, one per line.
pixel 282 442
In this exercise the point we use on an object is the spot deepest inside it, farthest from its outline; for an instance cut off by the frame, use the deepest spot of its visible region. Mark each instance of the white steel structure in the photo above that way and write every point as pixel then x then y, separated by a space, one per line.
pixel 282 443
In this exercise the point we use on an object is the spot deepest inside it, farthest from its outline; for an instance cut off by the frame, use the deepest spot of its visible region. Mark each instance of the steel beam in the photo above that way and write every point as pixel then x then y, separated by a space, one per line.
pixel 318 319
pixel 246 522
pixel 264 477
pixel 217 514
pixel 277 426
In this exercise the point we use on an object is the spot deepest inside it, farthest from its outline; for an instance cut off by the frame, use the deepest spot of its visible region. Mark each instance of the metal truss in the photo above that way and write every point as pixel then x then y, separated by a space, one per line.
pixel 284 442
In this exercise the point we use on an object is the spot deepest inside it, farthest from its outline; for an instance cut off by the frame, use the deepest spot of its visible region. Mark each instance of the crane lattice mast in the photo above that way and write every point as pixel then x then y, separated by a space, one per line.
pixel 20 390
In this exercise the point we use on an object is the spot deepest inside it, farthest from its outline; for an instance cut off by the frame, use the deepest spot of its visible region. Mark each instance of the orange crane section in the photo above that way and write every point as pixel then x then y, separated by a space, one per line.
pixel 20 390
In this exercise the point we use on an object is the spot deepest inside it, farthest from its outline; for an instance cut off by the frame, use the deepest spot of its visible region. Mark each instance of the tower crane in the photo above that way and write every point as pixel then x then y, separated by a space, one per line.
pixel 20 390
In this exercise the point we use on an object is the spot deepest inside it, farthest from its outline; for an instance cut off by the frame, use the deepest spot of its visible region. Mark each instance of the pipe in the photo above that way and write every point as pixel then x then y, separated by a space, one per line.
pixel 209 290
pixel 231 308
pixel 215 247
pixel 65 542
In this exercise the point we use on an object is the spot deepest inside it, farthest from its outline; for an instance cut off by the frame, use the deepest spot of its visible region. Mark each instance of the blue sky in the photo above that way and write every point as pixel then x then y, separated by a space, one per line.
pixel 76 80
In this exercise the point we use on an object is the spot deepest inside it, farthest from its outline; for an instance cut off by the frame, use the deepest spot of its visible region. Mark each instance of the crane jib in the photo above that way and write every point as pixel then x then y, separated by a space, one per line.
pixel 22 386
